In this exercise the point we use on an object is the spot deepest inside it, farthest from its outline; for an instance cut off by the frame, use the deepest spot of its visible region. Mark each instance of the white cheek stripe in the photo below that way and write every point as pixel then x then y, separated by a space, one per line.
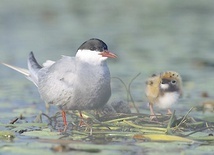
pixel 164 86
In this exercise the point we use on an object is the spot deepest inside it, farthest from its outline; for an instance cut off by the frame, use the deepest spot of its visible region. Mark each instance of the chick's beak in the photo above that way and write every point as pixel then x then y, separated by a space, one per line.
pixel 108 54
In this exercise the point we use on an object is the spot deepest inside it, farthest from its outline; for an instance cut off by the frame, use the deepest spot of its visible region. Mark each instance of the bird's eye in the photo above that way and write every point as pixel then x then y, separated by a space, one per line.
pixel 92 48
pixel 173 82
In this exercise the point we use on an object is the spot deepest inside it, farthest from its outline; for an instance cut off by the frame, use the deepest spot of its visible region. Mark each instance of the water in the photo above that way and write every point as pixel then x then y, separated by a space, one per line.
pixel 148 37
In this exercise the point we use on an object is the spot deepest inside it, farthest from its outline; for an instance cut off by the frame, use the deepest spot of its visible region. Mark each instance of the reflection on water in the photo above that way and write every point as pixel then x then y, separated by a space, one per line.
pixel 147 36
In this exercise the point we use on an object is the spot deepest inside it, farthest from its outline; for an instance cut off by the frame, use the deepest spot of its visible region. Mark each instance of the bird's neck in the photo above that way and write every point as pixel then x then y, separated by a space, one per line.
pixel 94 72
pixel 91 62
pixel 90 57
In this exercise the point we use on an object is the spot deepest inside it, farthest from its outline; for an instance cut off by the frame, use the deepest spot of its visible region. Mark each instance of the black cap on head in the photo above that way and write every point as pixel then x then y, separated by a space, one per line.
pixel 94 45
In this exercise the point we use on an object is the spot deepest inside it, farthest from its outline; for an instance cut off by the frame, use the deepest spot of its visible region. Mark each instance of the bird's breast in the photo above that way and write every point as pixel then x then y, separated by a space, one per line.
pixel 167 99
pixel 92 89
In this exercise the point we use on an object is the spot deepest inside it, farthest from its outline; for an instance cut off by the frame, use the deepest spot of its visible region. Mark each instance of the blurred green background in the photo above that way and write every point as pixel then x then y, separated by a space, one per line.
pixel 149 36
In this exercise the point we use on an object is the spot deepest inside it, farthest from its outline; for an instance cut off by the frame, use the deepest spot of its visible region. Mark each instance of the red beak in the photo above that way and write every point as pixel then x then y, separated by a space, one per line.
pixel 108 54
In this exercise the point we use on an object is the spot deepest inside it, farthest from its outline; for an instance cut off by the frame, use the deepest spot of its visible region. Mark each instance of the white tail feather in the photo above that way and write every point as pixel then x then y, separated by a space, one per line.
pixel 20 70
pixel 48 63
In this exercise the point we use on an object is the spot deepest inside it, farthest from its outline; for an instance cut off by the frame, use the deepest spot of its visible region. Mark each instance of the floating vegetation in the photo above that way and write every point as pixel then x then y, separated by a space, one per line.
pixel 6 135
pixel 120 126
pixel 108 128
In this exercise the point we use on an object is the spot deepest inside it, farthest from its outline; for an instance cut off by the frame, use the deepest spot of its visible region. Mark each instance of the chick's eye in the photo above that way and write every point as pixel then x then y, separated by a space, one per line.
pixel 173 82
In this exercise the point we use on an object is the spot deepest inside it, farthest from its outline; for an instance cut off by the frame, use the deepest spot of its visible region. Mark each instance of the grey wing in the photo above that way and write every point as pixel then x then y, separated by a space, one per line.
pixel 56 82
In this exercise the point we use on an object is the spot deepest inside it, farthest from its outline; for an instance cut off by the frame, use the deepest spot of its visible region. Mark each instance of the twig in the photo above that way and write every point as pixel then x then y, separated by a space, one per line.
pixel 170 122
pixel 129 92
pixel 124 86
pixel 14 120
pixel 184 118
pixel 49 118
pixel 209 127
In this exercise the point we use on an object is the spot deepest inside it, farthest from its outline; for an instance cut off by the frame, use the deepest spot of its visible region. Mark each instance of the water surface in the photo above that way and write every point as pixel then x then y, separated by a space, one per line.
pixel 148 37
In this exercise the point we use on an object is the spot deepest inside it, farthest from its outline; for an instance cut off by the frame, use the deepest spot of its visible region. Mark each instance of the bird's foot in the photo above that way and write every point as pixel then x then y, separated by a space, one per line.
pixel 82 123
pixel 153 118
pixel 169 112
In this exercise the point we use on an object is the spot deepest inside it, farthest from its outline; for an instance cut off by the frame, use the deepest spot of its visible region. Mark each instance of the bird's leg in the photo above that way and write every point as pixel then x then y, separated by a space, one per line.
pixel 152 116
pixel 47 107
pixel 64 120
pixel 169 112
pixel 82 119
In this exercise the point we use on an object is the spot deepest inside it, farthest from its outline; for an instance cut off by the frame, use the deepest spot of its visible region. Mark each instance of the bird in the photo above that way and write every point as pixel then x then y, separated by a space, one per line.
pixel 163 90
pixel 73 83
